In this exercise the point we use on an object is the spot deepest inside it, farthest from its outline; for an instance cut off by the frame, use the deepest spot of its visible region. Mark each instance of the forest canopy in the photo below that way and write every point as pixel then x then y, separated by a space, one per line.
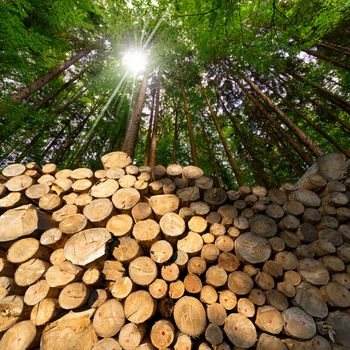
pixel 252 91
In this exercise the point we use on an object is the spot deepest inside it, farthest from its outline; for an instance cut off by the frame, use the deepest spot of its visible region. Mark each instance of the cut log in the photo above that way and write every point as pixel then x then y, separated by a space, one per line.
pixel 335 294
pixel 63 174
pixel 19 183
pixel 162 334
pixel 306 197
pixel 126 249
pixel 269 319
pixel 25 249
pixel 61 274
pixel 263 225
pixel 20 336
pixel 91 276
pixel 73 295
pixel 30 272
pixel 105 188
pixel 210 252
pixel 174 170
pixel 172 226
pixel 98 210
pixel 240 331
pixel 116 159
pixel 276 299
pixel 12 310
pixel 192 243
pixel 214 335
pixel 298 324
pixel 114 173
pixel 73 224
pixel 60 214
pixel 252 248
pixel 120 225
pixel 340 323
pixel 122 287
pixel 109 318
pixel 146 232
pixel 11 200
pixel 269 342
pixel 158 288
pixel 196 265
pixel 131 335
pixel 188 195
pixel 190 316
pixel 163 204
pixel 22 221
pixel 240 283
pixel 73 330
pixel 125 198
pixel 87 246
pixel 139 306
pixel 216 276
pixel 39 291
pixel 192 284
pixel 97 297
pixel 170 273
pixel 13 170
pixel 197 224
pixel 215 197
pixel 112 270
pixel 44 311
pixel 107 344
pixel 127 181
pixel 143 270
pixel 81 173
pixel 183 342
pixel 245 307
pixel 61 186
pixel 161 251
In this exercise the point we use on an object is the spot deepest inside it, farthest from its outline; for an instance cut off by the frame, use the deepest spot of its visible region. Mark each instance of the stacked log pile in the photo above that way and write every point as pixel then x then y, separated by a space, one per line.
pixel 137 258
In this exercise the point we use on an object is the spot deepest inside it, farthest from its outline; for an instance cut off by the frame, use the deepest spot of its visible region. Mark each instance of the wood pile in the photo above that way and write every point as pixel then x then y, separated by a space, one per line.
pixel 137 258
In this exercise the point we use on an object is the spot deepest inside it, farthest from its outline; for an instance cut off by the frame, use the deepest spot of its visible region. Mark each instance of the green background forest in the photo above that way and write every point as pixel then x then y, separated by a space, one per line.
pixel 251 91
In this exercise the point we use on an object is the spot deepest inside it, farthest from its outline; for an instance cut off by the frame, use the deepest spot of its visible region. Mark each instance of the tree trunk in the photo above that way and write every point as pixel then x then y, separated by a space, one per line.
pixel 212 159
pixel 194 152
pixel 224 142
pixel 334 47
pixel 307 159
pixel 328 59
pixel 42 103
pixel 313 124
pixel 25 92
pixel 336 100
pixel 302 136
pixel 175 137
pixel 149 131
pixel 153 146
pixel 59 136
pixel 132 131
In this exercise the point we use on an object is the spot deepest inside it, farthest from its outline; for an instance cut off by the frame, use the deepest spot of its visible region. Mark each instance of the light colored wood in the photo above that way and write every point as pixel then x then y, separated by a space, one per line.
pixel 57 256
pixel 70 198
pixel 107 344
pixel 216 276
pixel 125 199
pixel 82 200
pixel 197 224
pixel 61 186
pixel 240 331
pixel 63 174
pixel 240 283
pixel 50 202
pixel 131 335
pixel 127 181
pixel 161 251
pixel 116 159
pixel 74 328
pixel 9 287
pixel 210 252
pixel 73 296
pixel 245 307
pixel 227 299
pixel 176 289
pixel 228 261
pixel 208 295
pixel 298 323
pixel 109 318
pixel 335 294
pixel 183 342
pixel 12 309
pixel 114 173
pixel 141 211
pixel 276 299
pixel 60 214
pixel 81 173
pixel 216 314
pixel 91 276
pixel 269 319
pixel 44 311
pixel 39 291
pixel 98 210
pixel 46 179
pixel 25 249
pixel 13 170
pixel 97 297
pixel 143 270
pixel 11 200
pixel 163 204
pixel 190 316
pixel 170 273
pixel 126 249
pixel 22 221
pixel 119 225
pixel 264 281
pixel 269 342
pixel 61 274
pixel 172 226
pixel 73 224
pixel 192 283
pixel 146 232
pixel 30 271
pixel 191 243
pixel 122 287
pixel 174 170
pixel 188 195
pixel 139 306
pixel 20 336
pixel 87 246
pixel 196 265
pixel 252 248
pixel 162 334
pixel 158 288
pixel 257 297
pixel 200 208
pixel 19 183
pixel 105 188
pixel 112 270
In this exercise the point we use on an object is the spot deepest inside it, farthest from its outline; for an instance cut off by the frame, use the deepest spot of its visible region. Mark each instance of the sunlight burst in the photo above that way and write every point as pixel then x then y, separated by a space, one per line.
pixel 135 60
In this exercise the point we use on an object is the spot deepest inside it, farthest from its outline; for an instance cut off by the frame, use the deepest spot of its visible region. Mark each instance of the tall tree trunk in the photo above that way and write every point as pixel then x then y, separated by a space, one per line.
pixel 194 152
pixel 258 165
pixel 54 141
pixel 311 123
pixel 328 59
pixel 149 130
pixel 302 136
pixel 43 102
pixel 224 142
pixel 306 157
pixel 132 131
pixel 336 100
pixel 212 159
pixel 176 135
pixel 153 146
pixel 334 47
pixel 25 92
pixel 73 136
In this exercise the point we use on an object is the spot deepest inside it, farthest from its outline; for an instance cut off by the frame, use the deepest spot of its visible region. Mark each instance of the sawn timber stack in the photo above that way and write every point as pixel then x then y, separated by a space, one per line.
pixel 137 258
